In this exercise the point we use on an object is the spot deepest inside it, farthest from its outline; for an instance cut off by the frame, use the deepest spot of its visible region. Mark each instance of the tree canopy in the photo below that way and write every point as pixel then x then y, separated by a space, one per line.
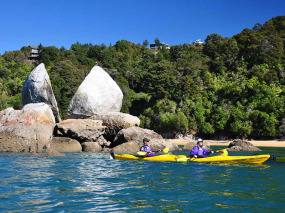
pixel 228 87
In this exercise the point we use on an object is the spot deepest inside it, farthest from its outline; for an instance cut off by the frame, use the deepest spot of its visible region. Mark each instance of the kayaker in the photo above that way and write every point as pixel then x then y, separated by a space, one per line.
pixel 146 148
pixel 199 151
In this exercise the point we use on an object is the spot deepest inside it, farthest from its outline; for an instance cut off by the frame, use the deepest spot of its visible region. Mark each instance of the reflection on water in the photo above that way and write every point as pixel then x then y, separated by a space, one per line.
pixel 94 183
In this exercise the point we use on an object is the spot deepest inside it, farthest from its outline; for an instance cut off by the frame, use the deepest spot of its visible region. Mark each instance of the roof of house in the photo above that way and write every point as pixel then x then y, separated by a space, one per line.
pixel 33 47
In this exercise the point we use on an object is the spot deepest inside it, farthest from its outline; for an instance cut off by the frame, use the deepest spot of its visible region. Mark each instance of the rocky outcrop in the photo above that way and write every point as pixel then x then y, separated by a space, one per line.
pixel 62 144
pixel 190 145
pixel 91 147
pixel 82 129
pixel 27 130
pixel 240 145
pixel 37 88
pixel 115 121
pixel 97 93
pixel 130 140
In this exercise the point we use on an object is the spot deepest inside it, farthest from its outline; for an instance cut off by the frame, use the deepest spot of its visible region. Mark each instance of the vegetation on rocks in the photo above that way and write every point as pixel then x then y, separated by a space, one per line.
pixel 228 87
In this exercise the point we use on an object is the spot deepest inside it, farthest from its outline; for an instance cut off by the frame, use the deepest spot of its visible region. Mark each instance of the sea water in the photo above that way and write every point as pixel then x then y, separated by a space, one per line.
pixel 90 182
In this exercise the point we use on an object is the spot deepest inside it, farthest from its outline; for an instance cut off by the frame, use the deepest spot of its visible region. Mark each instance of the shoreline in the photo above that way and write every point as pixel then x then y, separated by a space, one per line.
pixel 257 143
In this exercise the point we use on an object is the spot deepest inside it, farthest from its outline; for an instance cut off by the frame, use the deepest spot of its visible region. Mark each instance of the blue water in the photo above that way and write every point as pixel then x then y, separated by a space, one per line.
pixel 89 182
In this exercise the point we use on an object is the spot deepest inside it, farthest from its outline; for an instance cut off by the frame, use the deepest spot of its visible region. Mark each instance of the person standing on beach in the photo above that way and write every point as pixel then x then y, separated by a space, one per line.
pixel 199 151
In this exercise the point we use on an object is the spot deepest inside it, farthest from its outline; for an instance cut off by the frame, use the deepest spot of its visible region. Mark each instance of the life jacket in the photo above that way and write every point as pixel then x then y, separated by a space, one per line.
pixel 200 150
pixel 145 149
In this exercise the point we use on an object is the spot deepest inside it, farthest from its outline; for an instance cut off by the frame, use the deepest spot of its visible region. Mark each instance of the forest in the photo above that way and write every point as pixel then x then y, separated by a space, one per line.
pixel 226 88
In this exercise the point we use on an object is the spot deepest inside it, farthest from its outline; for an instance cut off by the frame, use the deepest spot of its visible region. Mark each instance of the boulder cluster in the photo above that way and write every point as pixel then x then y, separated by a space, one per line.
pixel 93 122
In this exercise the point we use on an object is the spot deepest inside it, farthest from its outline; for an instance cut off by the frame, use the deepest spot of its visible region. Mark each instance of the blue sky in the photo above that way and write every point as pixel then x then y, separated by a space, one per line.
pixel 64 22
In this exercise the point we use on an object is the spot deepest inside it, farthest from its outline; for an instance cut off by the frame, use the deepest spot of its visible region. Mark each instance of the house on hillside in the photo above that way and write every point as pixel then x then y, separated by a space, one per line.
pixel 34 53
pixel 159 46
pixel 198 42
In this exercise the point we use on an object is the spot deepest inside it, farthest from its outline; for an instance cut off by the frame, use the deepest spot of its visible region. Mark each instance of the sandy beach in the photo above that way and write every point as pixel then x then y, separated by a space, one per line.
pixel 269 143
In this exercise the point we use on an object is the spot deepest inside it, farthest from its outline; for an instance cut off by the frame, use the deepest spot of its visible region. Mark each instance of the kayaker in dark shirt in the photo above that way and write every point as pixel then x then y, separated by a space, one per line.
pixel 146 148
pixel 199 151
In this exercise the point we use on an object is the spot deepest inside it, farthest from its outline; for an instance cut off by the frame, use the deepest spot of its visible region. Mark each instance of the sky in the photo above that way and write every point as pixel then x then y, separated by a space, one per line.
pixel 64 22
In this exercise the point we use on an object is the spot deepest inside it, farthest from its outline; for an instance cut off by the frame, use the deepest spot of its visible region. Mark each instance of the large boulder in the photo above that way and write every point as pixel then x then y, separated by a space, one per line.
pixel 97 93
pixel 27 130
pixel 82 129
pixel 37 88
pixel 62 144
pixel 130 140
pixel 240 145
pixel 135 134
pixel 128 147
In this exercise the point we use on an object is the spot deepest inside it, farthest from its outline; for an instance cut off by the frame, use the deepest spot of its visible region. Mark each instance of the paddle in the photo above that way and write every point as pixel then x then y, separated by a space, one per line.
pixel 223 152
pixel 165 150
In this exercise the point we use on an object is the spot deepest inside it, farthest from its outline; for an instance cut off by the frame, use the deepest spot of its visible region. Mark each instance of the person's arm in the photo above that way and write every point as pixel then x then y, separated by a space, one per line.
pixel 194 151
pixel 206 152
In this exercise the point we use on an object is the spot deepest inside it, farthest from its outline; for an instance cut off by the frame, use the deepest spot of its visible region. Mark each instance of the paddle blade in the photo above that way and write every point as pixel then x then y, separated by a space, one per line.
pixel 182 159
pixel 165 150
pixel 224 152
pixel 142 153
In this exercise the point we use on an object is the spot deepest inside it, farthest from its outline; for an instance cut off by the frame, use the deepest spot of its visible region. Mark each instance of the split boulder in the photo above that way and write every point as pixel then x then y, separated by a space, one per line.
pixel 37 88
pixel 97 93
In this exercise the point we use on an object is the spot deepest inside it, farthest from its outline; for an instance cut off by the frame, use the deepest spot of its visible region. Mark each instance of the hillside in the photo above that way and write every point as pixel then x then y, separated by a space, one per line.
pixel 228 87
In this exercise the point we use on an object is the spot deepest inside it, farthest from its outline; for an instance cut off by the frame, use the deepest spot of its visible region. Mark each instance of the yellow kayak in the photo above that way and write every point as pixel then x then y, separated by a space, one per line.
pixel 184 158
pixel 164 157
pixel 232 159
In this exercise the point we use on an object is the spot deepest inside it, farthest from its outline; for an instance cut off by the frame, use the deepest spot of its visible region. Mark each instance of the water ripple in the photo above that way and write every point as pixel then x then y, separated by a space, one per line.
pixel 93 183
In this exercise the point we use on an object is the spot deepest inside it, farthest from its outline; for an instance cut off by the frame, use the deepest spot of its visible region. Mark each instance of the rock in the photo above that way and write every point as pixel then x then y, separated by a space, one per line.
pixel 127 148
pixel 37 88
pixel 27 130
pixel 62 144
pixel 103 142
pixel 50 153
pixel 91 147
pixel 131 138
pixel 190 145
pixel 115 121
pixel 97 93
pixel 186 136
pixel 160 144
pixel 81 129
pixel 134 134
pixel 239 145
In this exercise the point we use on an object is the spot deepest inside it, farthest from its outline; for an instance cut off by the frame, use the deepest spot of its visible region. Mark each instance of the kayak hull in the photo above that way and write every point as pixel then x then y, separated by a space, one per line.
pixel 233 159
pixel 166 157
pixel 258 159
